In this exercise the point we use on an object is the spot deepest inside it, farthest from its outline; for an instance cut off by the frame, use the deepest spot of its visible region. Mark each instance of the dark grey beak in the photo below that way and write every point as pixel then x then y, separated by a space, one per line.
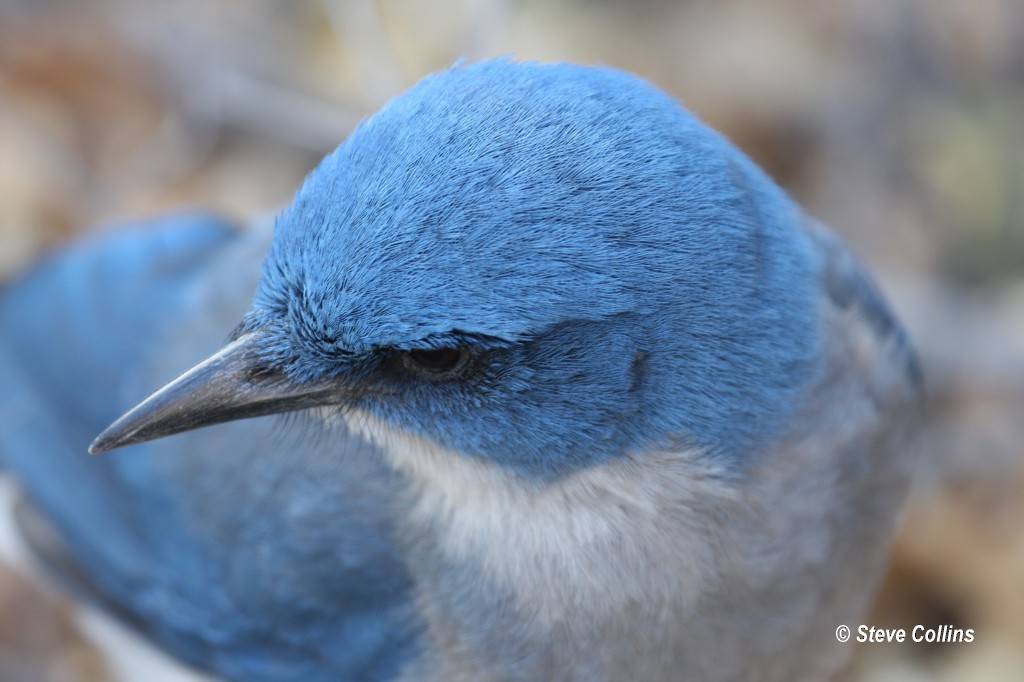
pixel 231 384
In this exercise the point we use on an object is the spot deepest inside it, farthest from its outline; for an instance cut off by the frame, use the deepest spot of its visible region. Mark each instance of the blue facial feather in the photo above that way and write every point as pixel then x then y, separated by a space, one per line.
pixel 517 205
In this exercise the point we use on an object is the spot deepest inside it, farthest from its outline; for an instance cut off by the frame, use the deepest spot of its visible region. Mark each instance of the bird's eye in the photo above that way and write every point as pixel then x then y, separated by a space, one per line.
pixel 436 361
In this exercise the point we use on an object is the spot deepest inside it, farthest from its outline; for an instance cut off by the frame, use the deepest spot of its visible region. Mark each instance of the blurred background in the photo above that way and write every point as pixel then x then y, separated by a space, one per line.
pixel 898 122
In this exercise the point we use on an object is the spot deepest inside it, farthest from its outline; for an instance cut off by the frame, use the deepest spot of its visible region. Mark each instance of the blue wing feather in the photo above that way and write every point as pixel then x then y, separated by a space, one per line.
pixel 236 546
pixel 848 286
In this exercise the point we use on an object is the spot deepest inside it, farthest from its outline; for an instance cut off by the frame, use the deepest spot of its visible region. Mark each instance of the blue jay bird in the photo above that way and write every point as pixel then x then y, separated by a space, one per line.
pixel 588 397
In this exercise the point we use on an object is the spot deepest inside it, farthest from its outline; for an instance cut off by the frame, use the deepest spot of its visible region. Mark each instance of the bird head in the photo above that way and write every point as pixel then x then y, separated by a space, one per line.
pixel 543 266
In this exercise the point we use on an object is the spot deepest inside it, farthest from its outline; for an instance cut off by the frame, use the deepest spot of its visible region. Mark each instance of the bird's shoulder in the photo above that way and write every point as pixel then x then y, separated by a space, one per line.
pixel 90 311
pixel 257 551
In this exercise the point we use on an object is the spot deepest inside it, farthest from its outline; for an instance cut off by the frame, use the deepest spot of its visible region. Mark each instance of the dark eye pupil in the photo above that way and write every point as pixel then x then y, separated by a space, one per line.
pixel 436 359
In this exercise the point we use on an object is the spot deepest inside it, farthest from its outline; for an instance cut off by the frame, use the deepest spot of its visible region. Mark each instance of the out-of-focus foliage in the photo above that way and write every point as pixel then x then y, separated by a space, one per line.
pixel 900 123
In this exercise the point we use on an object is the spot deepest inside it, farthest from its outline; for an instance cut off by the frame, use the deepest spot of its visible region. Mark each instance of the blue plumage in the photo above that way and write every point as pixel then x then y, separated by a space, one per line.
pixel 180 542
pixel 603 404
